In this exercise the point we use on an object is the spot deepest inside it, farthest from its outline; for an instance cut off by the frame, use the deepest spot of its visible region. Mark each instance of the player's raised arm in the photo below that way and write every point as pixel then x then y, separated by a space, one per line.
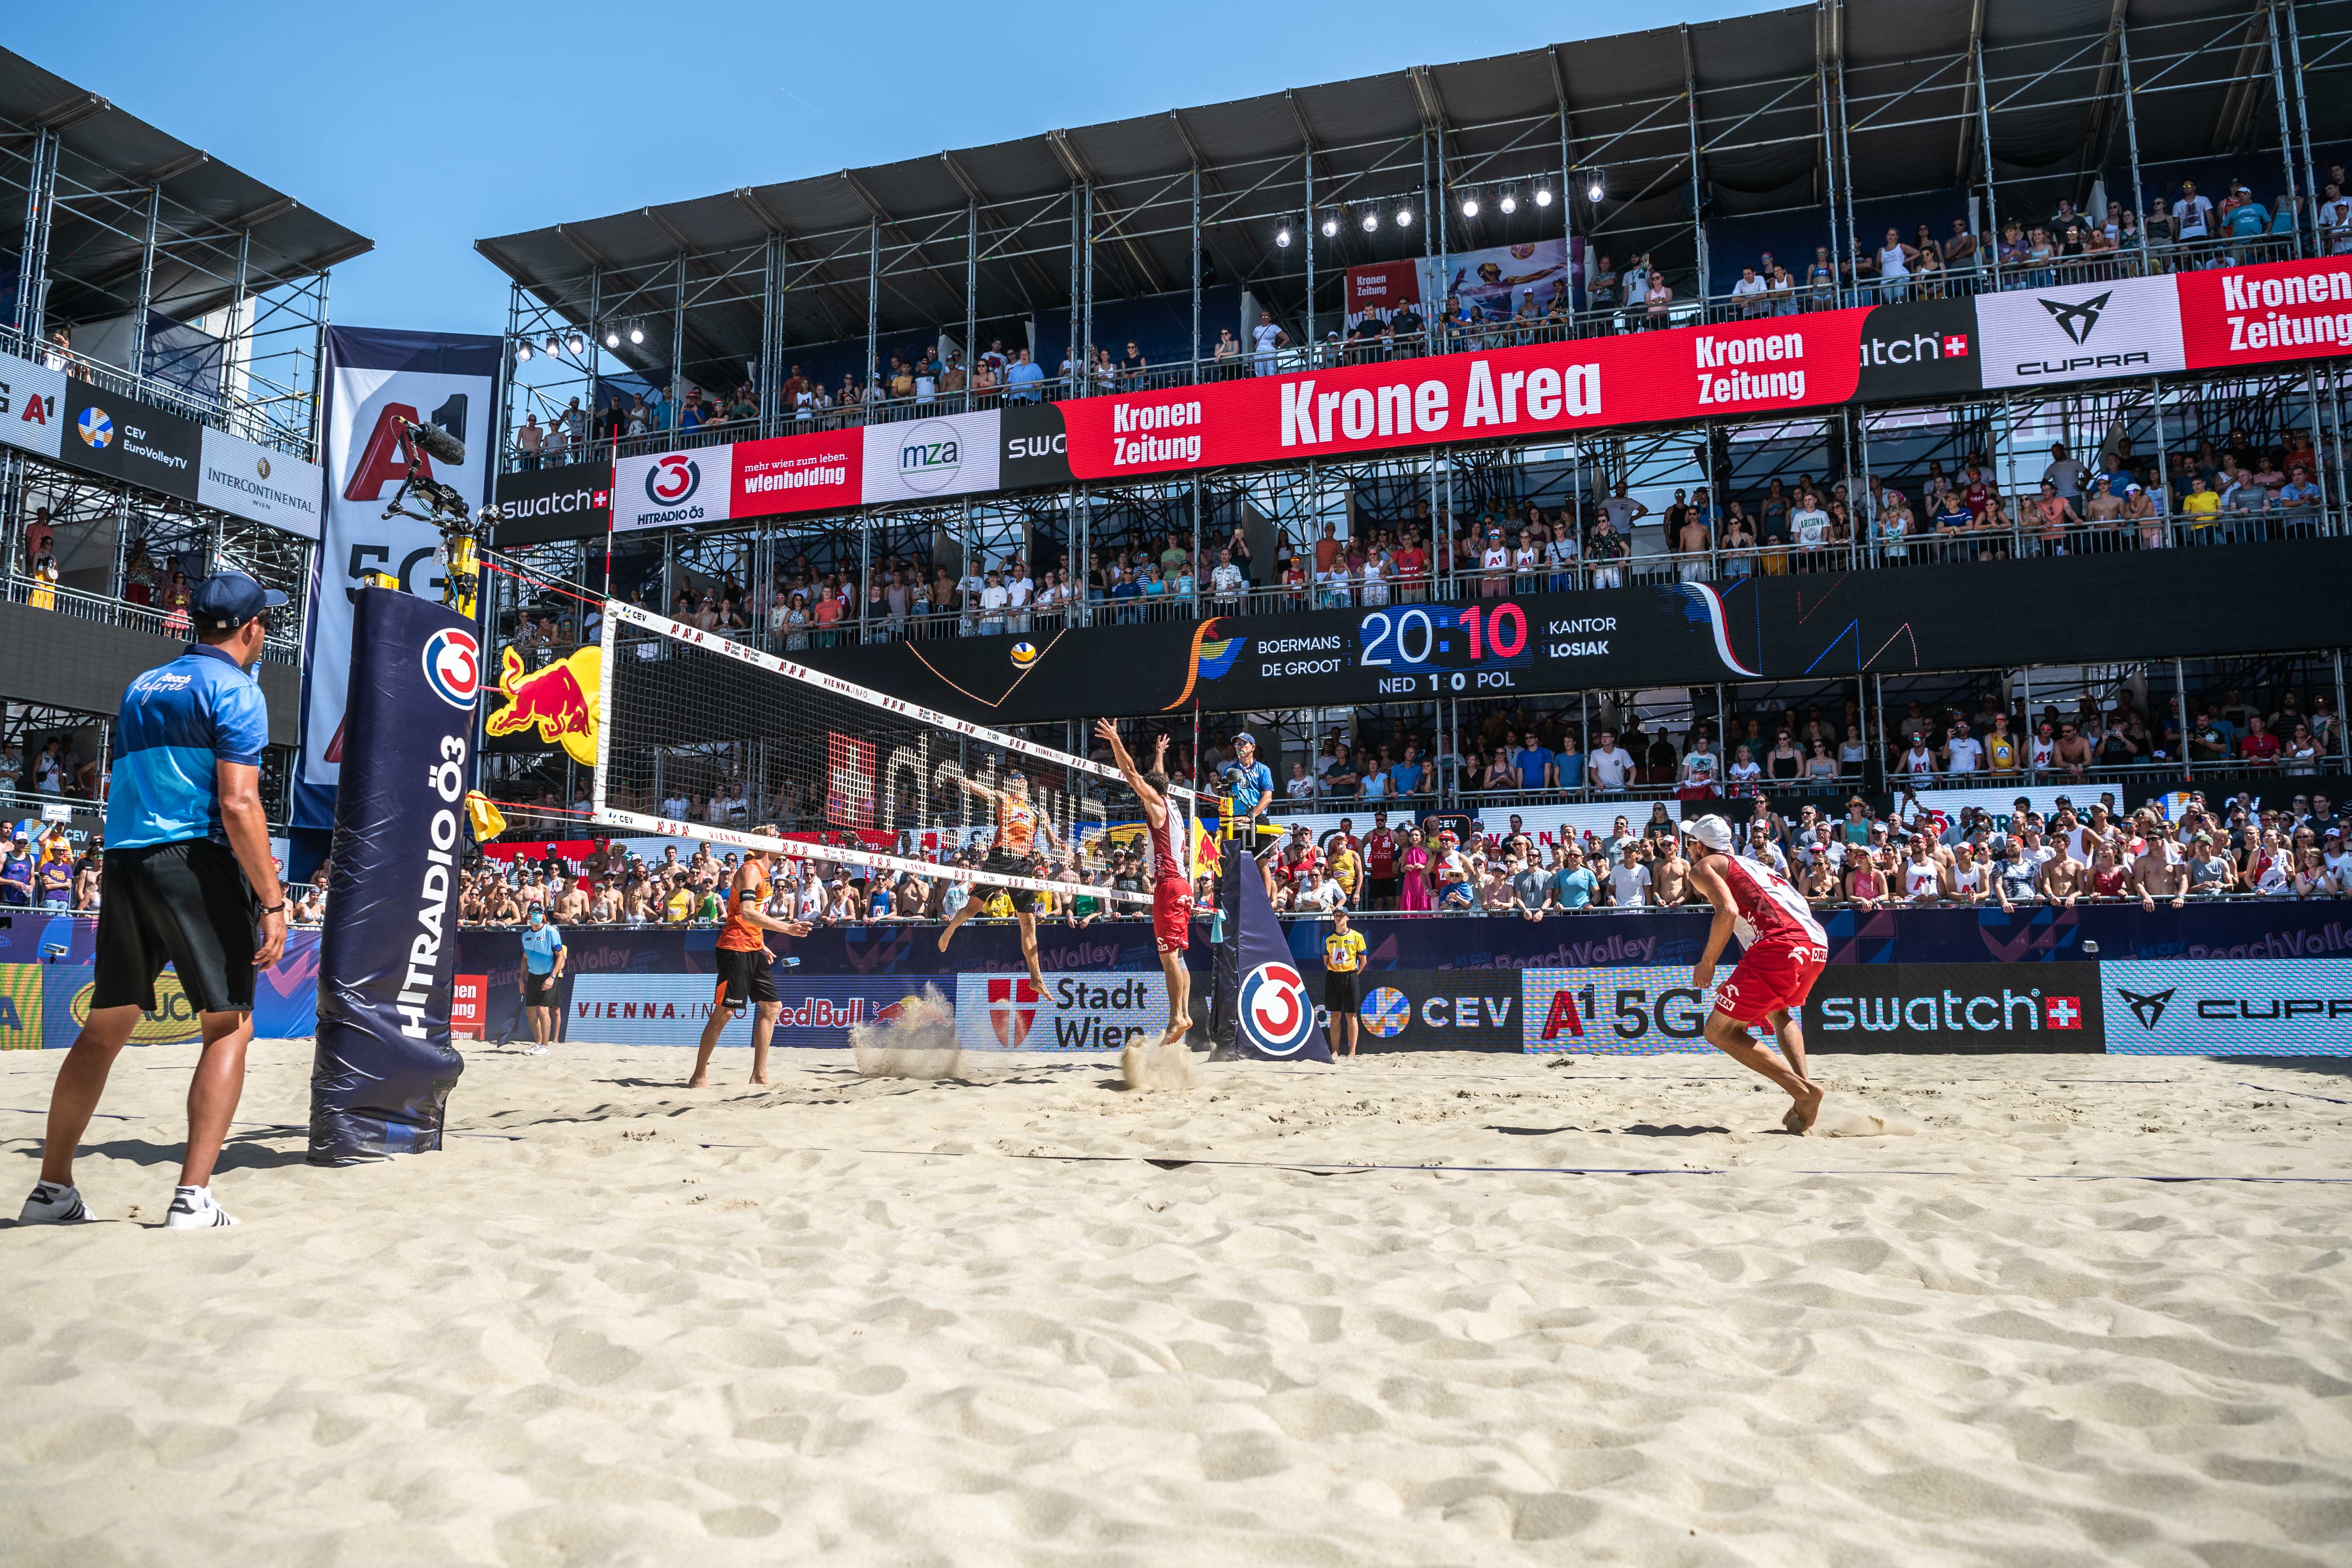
pixel 1155 810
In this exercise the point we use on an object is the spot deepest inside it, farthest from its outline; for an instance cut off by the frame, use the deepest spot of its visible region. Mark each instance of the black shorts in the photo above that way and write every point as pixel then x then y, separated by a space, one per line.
pixel 538 990
pixel 1383 890
pixel 1004 863
pixel 745 976
pixel 187 904
pixel 1339 990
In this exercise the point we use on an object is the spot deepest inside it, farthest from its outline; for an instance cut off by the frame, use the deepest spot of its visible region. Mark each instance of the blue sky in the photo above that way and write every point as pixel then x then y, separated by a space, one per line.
pixel 427 127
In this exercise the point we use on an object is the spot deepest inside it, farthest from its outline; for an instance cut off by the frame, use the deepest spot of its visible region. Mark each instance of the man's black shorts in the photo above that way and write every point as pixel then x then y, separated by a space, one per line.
pixel 1339 990
pixel 188 904
pixel 1382 892
pixel 745 976
pixel 539 990
pixel 1004 863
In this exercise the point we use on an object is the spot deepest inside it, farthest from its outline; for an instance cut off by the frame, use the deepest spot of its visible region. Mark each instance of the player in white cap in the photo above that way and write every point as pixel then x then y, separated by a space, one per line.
pixel 1782 950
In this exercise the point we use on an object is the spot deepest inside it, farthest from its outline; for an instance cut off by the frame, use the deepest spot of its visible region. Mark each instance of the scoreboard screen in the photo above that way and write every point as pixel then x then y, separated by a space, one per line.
pixel 1399 652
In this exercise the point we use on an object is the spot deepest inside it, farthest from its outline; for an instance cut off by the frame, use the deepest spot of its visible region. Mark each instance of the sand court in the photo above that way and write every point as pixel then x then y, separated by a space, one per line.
pixel 1351 1315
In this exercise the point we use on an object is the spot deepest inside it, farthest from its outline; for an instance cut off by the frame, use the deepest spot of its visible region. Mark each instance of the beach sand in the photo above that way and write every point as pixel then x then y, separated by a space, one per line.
pixel 999 1319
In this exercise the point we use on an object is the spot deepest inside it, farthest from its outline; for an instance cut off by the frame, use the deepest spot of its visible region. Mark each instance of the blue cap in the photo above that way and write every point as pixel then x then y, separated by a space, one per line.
pixel 226 600
pixel 1245 739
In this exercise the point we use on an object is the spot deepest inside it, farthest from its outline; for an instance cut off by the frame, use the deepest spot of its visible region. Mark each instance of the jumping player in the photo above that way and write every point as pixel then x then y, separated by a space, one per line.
pixel 1171 890
pixel 1782 950
pixel 1020 830
pixel 746 974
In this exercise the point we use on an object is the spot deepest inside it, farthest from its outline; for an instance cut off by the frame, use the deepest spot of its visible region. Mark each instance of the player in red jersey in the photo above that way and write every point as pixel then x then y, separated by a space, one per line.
pixel 1171 887
pixel 1782 950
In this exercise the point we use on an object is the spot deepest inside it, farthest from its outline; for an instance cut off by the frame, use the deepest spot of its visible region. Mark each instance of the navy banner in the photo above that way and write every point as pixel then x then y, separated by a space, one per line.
pixel 385 1066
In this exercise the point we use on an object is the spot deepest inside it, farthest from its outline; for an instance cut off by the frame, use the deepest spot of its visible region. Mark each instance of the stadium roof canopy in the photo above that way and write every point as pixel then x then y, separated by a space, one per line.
pixel 1731 115
pixel 109 161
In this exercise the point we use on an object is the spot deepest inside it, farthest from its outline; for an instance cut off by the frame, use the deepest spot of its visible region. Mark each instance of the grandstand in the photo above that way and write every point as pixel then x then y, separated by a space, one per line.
pixel 800 413
pixel 168 310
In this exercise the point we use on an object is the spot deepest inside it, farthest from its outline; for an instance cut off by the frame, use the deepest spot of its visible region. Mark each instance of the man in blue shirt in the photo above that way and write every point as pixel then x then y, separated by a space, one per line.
pixel 1251 781
pixel 188 878
pixel 1025 378
pixel 1406 775
pixel 1573 885
pixel 542 965
pixel 1533 763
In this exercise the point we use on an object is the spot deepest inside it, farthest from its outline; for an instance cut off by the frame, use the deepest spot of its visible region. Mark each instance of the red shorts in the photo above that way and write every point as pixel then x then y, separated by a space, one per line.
pixel 1770 977
pixel 1171 914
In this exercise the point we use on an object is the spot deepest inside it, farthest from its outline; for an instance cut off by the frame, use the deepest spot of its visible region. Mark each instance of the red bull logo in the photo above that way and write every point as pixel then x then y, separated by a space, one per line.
pixel 564 702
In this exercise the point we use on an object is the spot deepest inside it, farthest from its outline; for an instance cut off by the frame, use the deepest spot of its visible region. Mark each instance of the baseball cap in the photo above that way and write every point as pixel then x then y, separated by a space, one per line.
pixel 226 600
pixel 1710 830
pixel 1245 739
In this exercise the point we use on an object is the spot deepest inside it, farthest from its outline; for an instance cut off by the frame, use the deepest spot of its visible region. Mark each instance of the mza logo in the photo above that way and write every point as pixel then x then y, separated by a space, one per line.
pixel 930 455
pixel 95 429
pixel 2076 321
pixel 1012 1010
pixel 453 666
pixel 672 480
pixel 1275 1009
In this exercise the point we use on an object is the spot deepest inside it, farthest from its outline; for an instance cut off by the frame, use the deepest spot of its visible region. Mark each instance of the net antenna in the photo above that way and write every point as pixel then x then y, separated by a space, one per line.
pixel 851 775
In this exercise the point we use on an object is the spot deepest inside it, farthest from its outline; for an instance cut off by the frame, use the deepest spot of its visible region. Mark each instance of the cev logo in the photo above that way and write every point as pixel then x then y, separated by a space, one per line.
pixel 453 666
pixel 95 429
pixel 672 480
pixel 172 1022
pixel 1275 1009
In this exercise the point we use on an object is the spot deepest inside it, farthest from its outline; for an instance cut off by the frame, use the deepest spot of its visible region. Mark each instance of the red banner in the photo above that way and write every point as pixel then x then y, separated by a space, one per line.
pixel 815 472
pixel 1749 369
pixel 2285 311
pixel 1382 288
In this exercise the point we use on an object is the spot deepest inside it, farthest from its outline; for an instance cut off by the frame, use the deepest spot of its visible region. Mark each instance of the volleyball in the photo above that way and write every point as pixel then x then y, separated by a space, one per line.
pixel 1025 654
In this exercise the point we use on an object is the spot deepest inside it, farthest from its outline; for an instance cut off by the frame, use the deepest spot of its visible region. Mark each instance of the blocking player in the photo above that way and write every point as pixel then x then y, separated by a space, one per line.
pixel 1021 829
pixel 746 974
pixel 1782 950
pixel 1171 890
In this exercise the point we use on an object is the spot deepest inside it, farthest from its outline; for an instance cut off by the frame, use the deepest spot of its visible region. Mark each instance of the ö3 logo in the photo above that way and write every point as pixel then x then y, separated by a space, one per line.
pixel 1276 1007
pixel 672 480
pixel 453 666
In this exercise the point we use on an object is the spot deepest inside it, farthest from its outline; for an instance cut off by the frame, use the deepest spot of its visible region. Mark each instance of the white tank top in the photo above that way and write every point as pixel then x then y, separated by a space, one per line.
pixel 1922 881
pixel 1890 263
pixel 1967 881
pixel 1168 858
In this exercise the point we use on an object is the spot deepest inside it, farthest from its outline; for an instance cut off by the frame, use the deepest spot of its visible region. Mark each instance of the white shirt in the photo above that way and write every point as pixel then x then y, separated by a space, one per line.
pixel 2336 219
pixel 1812 526
pixel 993 598
pixel 2189 217
pixel 1968 755
pixel 1609 766
pixel 1020 591
pixel 1919 762
pixel 1226 578
pixel 1747 286
pixel 1265 336
pixel 1629 884
pixel 1300 787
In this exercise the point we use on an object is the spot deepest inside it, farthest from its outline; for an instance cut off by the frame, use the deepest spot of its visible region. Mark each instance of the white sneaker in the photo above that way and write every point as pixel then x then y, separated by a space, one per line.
pixel 53 1204
pixel 195 1213
pixel 534 1050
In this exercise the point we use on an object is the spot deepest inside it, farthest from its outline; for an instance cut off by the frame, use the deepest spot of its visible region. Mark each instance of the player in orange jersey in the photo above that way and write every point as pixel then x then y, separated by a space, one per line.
pixel 746 974
pixel 1021 829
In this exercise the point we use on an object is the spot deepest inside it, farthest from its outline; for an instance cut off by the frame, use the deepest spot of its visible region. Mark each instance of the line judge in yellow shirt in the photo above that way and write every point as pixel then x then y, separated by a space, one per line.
pixel 1343 962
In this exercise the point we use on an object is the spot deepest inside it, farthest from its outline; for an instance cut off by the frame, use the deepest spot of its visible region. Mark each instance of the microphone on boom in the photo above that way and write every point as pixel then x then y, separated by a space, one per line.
pixel 434 442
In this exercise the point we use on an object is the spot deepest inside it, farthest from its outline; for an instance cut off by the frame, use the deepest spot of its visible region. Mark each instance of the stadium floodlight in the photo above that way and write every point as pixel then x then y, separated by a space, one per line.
pixel 1404 217
pixel 554 345
pixel 522 349
pixel 612 337
pixel 1331 225
pixel 1510 202
pixel 1543 194
pixel 636 332
pixel 576 344
pixel 1371 220
pixel 1469 206
pixel 1592 186
pixel 1281 237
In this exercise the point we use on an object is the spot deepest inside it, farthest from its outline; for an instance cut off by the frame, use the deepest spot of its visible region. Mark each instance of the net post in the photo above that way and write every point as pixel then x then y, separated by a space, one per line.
pixel 598 788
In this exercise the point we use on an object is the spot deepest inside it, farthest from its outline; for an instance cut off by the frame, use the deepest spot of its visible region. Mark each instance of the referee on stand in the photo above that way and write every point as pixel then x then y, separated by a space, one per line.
pixel 189 880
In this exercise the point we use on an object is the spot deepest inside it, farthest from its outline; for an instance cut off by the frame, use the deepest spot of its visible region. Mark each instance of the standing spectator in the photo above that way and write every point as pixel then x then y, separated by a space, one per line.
pixel 528 441
pixel 2192 215
pixel 1268 339
pixel 1629 879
